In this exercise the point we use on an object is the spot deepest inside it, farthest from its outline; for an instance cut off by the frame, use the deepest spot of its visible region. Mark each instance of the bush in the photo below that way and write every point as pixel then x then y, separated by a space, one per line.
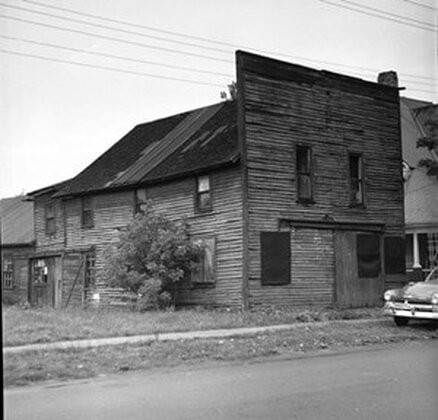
pixel 152 255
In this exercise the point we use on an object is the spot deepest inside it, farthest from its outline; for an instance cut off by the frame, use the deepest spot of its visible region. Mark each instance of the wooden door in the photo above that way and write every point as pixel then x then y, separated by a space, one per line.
pixel 45 287
pixel 359 279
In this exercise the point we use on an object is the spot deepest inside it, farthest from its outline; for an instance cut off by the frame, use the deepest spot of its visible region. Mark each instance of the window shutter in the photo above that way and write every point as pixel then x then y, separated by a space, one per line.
pixel 368 255
pixel 275 257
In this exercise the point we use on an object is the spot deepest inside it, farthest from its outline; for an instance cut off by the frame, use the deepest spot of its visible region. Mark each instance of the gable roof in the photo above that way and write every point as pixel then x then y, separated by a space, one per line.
pixel 413 118
pixel 16 221
pixel 185 143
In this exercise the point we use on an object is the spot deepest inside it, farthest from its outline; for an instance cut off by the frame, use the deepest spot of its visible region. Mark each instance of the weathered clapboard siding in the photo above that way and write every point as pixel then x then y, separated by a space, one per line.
pixel 115 210
pixel 45 243
pixel 285 106
pixel 176 199
pixel 20 260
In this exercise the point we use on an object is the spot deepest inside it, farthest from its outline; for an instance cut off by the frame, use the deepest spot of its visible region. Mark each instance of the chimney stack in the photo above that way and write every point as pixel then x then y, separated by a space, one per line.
pixel 388 78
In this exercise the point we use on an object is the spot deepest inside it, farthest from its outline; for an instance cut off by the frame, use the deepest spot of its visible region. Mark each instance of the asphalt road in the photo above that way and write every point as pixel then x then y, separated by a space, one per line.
pixel 396 382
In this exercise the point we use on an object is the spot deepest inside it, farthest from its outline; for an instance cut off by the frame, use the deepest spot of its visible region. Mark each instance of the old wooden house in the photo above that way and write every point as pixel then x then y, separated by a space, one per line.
pixel 17 242
pixel 295 188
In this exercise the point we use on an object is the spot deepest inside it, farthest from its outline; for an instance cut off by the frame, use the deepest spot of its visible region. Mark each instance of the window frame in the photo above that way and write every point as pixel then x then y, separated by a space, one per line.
pixel 50 218
pixel 307 174
pixel 90 270
pixel 359 180
pixel 198 194
pixel 8 273
pixel 198 275
pixel 87 212
pixel 138 202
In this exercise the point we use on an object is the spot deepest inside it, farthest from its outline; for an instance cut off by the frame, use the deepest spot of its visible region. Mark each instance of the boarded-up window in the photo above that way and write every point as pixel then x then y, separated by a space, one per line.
pixel 356 179
pixel 203 193
pixel 87 212
pixel 304 173
pixel 140 200
pixel 275 257
pixel 368 255
pixel 395 254
pixel 204 272
pixel 8 273
pixel 50 219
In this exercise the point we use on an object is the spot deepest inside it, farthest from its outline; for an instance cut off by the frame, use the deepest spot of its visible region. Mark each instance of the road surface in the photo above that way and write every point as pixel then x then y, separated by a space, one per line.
pixel 396 382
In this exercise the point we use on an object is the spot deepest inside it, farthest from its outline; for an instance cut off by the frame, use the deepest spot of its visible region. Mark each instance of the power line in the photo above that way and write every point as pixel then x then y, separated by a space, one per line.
pixel 118 57
pixel 377 15
pixel 383 12
pixel 125 31
pixel 114 69
pixel 416 3
pixel 110 38
pixel 208 40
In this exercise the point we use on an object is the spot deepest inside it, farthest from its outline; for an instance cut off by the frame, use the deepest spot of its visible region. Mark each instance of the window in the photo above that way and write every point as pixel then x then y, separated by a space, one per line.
pixel 394 255
pixel 140 200
pixel 87 212
pixel 203 193
pixel 275 258
pixel 368 255
pixel 356 180
pixel 8 273
pixel 204 272
pixel 50 219
pixel 90 269
pixel 304 174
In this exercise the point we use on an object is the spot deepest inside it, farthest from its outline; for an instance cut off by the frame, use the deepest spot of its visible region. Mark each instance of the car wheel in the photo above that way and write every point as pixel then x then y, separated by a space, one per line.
pixel 401 321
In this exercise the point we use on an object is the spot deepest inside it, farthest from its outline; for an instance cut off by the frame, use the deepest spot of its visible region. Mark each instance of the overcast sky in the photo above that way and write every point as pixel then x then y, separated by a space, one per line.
pixel 56 117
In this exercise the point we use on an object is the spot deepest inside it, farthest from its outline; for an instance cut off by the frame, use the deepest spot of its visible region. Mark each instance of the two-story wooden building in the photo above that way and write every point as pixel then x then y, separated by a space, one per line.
pixel 295 187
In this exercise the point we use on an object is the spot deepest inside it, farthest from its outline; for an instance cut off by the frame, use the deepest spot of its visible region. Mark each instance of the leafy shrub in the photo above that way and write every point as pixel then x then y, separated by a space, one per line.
pixel 151 256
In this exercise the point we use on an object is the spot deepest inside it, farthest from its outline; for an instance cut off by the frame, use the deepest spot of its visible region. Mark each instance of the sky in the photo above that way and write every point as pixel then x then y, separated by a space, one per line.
pixel 76 75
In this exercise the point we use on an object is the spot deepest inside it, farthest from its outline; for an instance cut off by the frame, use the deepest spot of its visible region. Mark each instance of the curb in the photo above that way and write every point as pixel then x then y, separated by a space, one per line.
pixel 171 336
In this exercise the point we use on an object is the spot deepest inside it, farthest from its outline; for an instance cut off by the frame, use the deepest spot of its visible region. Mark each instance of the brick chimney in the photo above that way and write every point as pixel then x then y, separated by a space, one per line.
pixel 388 78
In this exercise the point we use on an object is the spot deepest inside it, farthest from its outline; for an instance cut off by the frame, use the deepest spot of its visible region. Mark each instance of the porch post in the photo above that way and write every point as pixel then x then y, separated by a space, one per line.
pixel 416 252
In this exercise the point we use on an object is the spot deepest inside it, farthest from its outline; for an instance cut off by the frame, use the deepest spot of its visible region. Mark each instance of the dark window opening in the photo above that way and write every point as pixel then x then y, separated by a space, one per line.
pixel 203 193
pixel 8 273
pixel 304 173
pixel 204 272
pixel 368 255
pixel 395 255
pixel 90 270
pixel 275 258
pixel 356 180
pixel 87 212
pixel 140 200
pixel 50 219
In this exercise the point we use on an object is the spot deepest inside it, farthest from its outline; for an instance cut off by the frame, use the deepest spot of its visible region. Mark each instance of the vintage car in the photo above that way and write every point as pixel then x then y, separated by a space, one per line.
pixel 414 301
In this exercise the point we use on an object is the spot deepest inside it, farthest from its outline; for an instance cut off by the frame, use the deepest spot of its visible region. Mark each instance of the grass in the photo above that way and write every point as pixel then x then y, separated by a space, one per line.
pixel 40 366
pixel 29 326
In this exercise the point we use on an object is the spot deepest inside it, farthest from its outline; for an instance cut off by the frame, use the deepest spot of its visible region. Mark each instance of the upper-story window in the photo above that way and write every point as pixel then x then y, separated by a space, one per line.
pixel 356 179
pixel 304 173
pixel 203 193
pixel 140 200
pixel 8 273
pixel 87 212
pixel 50 219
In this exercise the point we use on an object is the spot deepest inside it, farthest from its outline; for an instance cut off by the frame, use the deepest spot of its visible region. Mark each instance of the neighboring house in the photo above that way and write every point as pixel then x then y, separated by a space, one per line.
pixel 17 245
pixel 295 189
pixel 421 190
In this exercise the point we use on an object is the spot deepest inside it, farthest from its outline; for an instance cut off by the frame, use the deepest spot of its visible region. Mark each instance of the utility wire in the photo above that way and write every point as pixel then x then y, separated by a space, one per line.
pixel 112 28
pixel 377 15
pixel 118 57
pixel 383 12
pixel 114 69
pixel 416 3
pixel 211 41
pixel 110 38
